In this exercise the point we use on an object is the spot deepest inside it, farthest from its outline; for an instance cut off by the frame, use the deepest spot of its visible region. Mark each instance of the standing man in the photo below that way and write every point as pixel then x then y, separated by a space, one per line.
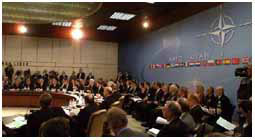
pixel 9 72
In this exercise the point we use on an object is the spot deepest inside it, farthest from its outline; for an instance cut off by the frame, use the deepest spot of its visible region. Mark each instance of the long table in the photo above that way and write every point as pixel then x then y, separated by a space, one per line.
pixel 31 99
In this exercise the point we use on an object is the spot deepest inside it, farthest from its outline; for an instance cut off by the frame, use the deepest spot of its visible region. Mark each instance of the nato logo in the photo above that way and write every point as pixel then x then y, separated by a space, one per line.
pixel 222 29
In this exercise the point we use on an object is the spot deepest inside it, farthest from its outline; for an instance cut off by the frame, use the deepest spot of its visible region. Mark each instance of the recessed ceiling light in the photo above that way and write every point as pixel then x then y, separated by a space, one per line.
pixel 62 23
pixel 122 16
pixel 106 27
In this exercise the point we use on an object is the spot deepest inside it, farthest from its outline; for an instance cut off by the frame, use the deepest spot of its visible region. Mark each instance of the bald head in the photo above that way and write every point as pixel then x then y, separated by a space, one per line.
pixel 107 91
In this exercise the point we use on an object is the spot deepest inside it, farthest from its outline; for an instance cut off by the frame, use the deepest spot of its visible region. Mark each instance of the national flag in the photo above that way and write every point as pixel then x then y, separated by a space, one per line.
pixel 219 62
pixel 235 61
pixel 192 63
pixel 167 66
pixel 204 63
pixel 245 60
pixel 197 63
pixel 182 64
pixel 227 61
pixel 211 63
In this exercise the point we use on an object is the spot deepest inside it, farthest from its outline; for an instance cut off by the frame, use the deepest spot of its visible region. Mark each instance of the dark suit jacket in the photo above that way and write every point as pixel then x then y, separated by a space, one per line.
pixel 84 115
pixel 131 133
pixel 227 109
pixel 106 104
pixel 210 101
pixel 197 113
pixel 81 76
pixel 35 120
pixel 176 128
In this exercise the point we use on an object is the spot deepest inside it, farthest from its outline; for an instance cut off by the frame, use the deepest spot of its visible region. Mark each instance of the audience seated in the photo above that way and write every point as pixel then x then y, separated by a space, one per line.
pixel 118 122
pixel 185 111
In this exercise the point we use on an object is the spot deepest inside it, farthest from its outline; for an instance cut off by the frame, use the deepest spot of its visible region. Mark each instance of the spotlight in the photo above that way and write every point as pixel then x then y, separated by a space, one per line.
pixel 22 29
pixel 146 24
pixel 77 34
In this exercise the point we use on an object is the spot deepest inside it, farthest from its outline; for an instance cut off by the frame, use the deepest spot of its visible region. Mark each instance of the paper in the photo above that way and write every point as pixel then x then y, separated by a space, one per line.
pixel 161 120
pixel 135 99
pixel 16 124
pixel 225 124
pixel 153 131
pixel 19 118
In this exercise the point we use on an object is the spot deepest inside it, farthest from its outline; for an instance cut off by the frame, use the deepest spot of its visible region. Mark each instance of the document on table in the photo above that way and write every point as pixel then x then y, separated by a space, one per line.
pixel 135 99
pixel 17 122
pixel 225 124
pixel 153 131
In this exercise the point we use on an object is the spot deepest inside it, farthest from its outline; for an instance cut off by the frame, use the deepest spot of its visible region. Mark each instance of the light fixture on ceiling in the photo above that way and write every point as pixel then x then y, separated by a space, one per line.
pixel 106 27
pixel 62 23
pixel 77 34
pixel 122 16
pixel 146 23
pixel 22 29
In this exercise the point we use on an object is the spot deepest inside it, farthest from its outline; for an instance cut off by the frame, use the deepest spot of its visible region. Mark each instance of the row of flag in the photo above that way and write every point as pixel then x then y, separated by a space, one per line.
pixel 225 61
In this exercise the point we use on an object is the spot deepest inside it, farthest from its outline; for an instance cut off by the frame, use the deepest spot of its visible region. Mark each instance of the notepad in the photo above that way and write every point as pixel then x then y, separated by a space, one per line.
pixel 153 131
pixel 225 124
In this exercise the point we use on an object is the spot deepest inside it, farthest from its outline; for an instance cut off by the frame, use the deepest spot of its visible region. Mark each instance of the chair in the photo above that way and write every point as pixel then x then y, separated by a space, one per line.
pixel 96 123
pixel 116 104
pixel 121 99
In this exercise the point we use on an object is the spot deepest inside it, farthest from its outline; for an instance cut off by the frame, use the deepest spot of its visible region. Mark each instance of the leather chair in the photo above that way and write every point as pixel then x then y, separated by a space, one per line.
pixel 121 99
pixel 96 123
pixel 116 104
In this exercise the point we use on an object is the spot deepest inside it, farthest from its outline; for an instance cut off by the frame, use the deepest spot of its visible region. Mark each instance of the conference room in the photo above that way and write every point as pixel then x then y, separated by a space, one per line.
pixel 127 69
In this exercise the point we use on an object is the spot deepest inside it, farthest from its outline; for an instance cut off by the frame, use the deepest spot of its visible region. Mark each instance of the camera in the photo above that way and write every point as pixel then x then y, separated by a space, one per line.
pixel 241 72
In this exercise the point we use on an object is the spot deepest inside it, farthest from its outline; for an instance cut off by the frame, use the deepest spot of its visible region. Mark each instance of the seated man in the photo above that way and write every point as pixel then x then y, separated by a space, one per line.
pixel 35 120
pixel 54 86
pixel 28 85
pixel 6 85
pixel 176 127
pixel 185 116
pixel 85 113
pixel 224 107
pixel 109 98
pixel 17 85
pixel 195 108
pixel 117 121
pixel 55 127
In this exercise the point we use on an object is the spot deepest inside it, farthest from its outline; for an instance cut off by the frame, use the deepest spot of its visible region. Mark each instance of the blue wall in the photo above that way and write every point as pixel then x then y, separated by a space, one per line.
pixel 182 40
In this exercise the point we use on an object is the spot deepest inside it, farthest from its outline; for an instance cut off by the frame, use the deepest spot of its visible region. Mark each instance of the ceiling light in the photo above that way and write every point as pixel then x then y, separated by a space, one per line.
pixel 77 34
pixel 22 29
pixel 146 24
pixel 122 16
pixel 106 27
pixel 62 23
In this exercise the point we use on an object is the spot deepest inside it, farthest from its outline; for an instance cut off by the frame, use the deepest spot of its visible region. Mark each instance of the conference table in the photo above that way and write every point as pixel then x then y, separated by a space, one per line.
pixel 31 99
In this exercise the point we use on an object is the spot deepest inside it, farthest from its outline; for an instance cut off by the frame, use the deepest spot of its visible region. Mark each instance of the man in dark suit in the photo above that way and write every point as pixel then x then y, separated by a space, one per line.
pixel 100 88
pixel 28 85
pixel 35 120
pixel 17 85
pixel 224 107
pixel 195 108
pixel 117 121
pixel 81 74
pixel 6 83
pixel 175 128
pixel 84 114
pixel 109 98
pixel 54 86
pixel 9 72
